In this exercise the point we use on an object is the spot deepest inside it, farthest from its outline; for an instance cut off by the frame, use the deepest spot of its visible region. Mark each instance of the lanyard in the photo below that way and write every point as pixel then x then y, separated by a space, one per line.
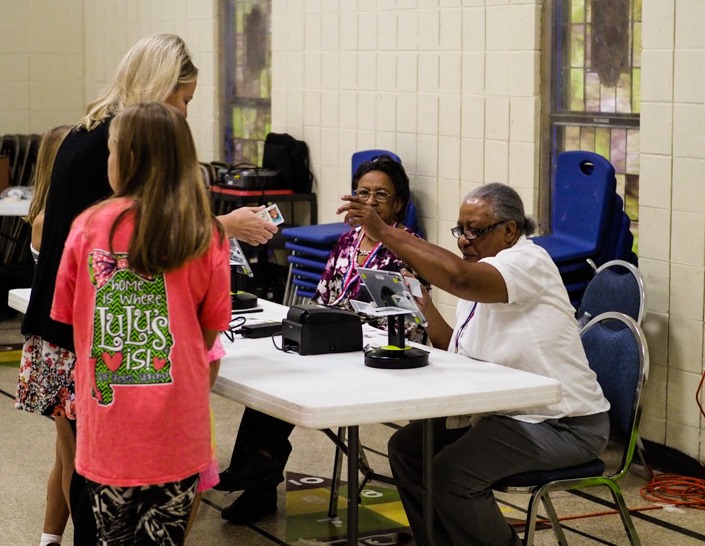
pixel 351 275
pixel 462 328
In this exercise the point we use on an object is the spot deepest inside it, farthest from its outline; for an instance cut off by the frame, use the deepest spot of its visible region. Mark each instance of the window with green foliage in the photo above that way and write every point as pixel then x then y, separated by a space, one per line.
pixel 595 79
pixel 248 76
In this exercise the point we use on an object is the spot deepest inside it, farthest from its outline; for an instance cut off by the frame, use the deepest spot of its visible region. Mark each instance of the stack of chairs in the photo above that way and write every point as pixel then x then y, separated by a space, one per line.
pixel 589 225
pixel 310 246
pixel 22 153
pixel 17 266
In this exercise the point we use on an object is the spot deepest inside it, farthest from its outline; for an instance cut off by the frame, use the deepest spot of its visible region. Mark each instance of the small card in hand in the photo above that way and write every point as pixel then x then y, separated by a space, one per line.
pixel 271 214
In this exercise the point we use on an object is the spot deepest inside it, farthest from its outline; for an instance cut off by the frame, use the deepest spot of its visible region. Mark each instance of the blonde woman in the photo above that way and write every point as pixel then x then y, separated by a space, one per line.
pixel 157 68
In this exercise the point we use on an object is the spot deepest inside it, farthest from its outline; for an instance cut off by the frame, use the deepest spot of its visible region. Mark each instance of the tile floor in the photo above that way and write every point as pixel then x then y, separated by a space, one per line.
pixel 27 450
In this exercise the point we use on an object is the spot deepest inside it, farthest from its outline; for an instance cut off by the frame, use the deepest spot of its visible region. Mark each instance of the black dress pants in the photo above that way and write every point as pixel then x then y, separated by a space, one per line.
pixel 259 431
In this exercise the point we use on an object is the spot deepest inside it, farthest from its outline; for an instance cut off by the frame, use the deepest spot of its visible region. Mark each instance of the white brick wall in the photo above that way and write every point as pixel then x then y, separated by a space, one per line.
pixel 41 63
pixel 672 218
pixel 56 55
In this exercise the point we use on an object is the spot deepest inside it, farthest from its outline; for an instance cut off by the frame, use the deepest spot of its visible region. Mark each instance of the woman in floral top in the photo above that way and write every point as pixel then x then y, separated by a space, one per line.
pixel 383 181
pixel 262 446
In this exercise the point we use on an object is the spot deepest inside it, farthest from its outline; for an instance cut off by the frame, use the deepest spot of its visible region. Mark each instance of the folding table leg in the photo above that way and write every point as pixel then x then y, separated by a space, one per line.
pixel 337 469
pixel 428 480
pixel 353 497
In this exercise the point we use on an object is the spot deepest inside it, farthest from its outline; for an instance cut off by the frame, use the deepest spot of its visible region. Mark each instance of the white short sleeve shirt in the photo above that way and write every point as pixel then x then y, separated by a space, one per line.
pixel 535 331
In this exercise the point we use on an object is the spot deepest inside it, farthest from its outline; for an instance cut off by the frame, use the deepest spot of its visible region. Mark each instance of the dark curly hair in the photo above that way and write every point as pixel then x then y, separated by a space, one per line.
pixel 393 170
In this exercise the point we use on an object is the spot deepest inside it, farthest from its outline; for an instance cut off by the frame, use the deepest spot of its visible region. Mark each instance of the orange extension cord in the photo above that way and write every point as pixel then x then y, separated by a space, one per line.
pixel 664 489
pixel 674 489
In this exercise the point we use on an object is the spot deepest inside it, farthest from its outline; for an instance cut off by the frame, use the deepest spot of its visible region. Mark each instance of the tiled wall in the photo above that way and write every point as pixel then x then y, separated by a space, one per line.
pixel 450 85
pixel 41 64
pixel 56 55
pixel 453 88
pixel 672 217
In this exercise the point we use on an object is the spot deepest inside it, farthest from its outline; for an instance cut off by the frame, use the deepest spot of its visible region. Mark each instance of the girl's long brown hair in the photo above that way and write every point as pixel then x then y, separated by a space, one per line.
pixel 158 169
pixel 49 145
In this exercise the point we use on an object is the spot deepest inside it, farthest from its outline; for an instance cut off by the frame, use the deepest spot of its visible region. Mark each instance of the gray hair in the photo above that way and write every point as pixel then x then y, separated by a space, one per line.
pixel 506 204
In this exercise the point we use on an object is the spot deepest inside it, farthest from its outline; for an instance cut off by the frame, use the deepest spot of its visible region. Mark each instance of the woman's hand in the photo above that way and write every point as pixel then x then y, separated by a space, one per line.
pixel 244 225
pixel 357 213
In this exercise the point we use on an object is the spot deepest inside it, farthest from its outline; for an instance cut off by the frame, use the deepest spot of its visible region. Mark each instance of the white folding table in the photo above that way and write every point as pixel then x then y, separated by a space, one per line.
pixel 9 207
pixel 18 299
pixel 338 390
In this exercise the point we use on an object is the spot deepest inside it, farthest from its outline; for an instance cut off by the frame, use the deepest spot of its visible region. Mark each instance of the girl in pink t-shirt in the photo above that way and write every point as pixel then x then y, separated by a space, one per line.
pixel 144 280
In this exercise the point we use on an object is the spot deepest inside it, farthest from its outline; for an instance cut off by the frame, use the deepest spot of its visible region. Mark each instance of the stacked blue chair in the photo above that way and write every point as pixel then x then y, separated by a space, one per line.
pixel 589 225
pixel 310 246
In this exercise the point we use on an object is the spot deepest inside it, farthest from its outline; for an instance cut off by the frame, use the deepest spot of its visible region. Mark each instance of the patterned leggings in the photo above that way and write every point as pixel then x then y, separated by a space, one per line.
pixel 137 516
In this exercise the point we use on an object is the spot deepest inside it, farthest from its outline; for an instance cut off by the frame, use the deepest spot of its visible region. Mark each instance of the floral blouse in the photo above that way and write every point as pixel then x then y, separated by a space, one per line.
pixel 340 281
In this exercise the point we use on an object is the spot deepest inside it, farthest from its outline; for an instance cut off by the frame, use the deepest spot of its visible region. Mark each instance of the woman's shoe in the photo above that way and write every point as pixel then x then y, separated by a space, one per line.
pixel 257 471
pixel 251 506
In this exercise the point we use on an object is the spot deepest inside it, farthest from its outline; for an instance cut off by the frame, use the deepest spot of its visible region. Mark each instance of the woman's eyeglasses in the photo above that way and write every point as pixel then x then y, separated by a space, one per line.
pixel 381 196
pixel 473 233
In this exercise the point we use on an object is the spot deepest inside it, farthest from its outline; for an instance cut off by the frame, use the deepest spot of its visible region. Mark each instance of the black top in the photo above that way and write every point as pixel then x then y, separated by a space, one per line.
pixel 78 180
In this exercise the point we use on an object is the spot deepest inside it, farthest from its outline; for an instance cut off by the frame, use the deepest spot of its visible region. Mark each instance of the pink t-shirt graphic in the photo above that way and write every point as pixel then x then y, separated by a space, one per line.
pixel 131 337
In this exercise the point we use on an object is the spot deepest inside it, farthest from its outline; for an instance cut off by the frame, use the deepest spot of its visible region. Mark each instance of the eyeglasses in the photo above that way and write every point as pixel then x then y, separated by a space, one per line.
pixel 381 196
pixel 473 233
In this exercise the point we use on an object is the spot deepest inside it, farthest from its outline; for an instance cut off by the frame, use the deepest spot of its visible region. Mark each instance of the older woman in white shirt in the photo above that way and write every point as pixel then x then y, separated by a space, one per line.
pixel 514 310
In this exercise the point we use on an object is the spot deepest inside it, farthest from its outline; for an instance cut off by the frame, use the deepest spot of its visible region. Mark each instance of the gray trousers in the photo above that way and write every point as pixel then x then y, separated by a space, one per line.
pixel 468 461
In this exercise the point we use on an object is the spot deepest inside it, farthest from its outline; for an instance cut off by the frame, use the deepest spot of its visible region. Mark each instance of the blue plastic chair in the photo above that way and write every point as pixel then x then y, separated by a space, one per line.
pixel 368 155
pixel 617 351
pixel 310 247
pixel 618 245
pixel 583 197
pixel 609 248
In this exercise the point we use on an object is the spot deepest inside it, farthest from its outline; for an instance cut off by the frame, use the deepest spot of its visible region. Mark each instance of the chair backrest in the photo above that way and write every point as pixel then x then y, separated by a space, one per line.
pixel 613 233
pixel 617 352
pixel 208 173
pixel 25 171
pixel 583 193
pixel 10 146
pixel 369 155
pixel 625 242
pixel 616 286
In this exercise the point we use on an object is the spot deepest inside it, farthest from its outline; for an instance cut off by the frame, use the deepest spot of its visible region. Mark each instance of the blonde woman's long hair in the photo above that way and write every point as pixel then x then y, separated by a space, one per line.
pixel 157 168
pixel 150 71
pixel 49 145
